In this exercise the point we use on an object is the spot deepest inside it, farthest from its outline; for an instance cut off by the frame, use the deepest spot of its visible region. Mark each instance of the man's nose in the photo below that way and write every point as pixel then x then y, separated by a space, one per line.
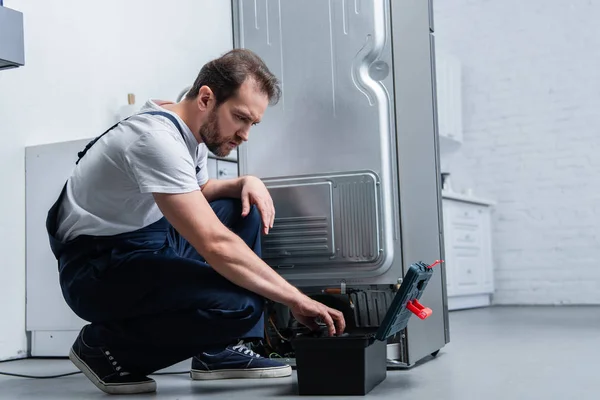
pixel 244 133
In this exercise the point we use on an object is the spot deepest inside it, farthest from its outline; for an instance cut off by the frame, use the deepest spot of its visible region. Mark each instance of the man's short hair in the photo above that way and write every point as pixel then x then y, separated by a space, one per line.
pixel 225 75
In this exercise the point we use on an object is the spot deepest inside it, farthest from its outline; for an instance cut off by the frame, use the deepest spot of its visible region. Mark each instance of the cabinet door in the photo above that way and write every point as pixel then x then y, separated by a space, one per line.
pixel 470 265
pixel 449 262
pixel 449 97
pixel 211 165
pixel 226 169
pixel 486 247
pixel 467 248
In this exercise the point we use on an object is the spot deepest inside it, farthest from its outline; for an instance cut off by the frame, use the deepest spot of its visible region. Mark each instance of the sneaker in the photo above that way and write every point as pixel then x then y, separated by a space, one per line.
pixel 236 361
pixel 100 367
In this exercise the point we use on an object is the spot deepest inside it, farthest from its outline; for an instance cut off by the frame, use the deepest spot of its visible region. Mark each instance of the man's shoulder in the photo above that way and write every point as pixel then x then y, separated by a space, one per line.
pixel 151 129
pixel 153 113
pixel 202 150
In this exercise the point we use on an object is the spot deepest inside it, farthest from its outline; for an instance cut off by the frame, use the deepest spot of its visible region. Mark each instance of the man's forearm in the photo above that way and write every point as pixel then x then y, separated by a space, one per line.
pixel 215 189
pixel 231 257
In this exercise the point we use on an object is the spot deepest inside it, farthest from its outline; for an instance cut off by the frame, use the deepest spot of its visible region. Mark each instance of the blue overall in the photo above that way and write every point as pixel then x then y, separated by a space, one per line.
pixel 149 296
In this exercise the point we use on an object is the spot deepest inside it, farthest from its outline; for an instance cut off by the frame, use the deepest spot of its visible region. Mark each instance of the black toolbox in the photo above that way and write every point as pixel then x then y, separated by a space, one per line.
pixel 356 362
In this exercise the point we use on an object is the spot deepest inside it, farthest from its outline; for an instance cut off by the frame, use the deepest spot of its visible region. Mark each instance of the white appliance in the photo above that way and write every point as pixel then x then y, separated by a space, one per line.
pixel 12 49
pixel 350 153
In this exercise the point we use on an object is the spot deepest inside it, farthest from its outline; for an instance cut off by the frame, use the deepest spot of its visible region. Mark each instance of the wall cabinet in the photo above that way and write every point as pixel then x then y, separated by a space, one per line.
pixel 449 100
pixel 468 259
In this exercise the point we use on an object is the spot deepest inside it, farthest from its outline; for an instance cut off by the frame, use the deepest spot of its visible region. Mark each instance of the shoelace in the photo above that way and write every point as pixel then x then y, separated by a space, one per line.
pixel 115 364
pixel 244 350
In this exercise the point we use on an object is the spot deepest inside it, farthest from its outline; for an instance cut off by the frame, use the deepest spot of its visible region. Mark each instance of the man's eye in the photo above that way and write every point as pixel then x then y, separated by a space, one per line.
pixel 245 119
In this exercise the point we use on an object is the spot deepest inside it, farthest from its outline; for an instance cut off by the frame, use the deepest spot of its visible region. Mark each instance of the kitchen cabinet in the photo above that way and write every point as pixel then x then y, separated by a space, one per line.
pixel 468 249
pixel 222 167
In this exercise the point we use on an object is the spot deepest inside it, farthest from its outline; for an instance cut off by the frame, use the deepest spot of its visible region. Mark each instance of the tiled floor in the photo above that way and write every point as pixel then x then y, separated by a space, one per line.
pixel 495 353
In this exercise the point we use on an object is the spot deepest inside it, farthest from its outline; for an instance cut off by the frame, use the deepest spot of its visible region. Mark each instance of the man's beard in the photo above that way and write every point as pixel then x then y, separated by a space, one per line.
pixel 209 132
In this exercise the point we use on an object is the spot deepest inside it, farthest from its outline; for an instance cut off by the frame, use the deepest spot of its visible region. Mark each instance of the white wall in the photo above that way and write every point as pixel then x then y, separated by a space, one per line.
pixel 82 58
pixel 532 139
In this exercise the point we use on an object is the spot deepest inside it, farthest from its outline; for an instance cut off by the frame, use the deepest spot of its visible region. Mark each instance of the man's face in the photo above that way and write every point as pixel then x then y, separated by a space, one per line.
pixel 229 125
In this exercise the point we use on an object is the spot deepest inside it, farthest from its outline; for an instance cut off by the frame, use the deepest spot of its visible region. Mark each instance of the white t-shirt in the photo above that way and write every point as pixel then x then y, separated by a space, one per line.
pixel 110 190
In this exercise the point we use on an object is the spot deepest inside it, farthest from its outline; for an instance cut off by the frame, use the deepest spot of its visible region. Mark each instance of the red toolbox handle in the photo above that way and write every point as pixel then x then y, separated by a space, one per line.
pixel 418 309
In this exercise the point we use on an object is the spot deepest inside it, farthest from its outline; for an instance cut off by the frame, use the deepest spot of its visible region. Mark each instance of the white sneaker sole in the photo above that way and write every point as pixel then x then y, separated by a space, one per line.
pixel 256 373
pixel 111 388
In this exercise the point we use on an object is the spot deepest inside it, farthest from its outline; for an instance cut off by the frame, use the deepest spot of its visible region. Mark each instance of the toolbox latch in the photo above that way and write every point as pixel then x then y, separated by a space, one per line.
pixel 419 309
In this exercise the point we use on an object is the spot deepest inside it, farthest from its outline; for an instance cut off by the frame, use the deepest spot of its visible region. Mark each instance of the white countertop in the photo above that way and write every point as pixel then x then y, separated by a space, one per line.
pixel 466 198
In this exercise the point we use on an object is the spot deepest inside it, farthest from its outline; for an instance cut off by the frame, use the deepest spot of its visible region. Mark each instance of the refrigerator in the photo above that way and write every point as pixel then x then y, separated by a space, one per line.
pixel 350 154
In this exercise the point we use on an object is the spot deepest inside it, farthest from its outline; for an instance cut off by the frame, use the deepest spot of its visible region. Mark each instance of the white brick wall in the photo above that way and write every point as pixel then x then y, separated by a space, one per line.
pixel 531 115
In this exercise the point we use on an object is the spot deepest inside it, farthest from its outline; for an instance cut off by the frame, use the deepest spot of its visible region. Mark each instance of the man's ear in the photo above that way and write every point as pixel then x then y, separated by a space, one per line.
pixel 205 99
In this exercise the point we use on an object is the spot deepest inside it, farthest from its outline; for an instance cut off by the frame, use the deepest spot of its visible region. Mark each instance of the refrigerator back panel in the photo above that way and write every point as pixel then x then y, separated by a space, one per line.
pixel 333 59
pixel 327 149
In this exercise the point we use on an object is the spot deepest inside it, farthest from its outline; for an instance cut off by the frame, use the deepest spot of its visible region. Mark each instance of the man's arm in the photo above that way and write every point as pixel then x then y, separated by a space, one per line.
pixel 214 188
pixel 191 215
pixel 250 190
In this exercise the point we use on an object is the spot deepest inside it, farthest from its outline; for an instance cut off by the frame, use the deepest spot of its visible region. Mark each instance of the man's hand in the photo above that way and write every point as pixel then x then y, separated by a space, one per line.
pixel 255 192
pixel 308 310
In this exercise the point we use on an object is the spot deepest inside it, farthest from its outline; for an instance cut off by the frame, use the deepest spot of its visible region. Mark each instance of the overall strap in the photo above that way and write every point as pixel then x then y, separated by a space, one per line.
pixel 164 114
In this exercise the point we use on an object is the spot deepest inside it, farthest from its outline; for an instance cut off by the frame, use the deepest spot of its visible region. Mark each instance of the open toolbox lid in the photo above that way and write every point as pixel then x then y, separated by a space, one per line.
pixel 406 301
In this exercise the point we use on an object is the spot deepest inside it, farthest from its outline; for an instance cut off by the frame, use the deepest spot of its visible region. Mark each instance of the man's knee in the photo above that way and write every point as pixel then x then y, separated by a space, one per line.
pixel 253 218
pixel 229 212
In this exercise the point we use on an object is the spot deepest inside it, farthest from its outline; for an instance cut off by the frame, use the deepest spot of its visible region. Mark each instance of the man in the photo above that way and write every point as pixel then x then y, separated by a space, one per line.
pixel 164 262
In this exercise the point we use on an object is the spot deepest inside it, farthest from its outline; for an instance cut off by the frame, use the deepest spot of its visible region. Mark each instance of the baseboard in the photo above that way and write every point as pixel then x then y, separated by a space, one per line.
pixel 52 343
pixel 470 301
